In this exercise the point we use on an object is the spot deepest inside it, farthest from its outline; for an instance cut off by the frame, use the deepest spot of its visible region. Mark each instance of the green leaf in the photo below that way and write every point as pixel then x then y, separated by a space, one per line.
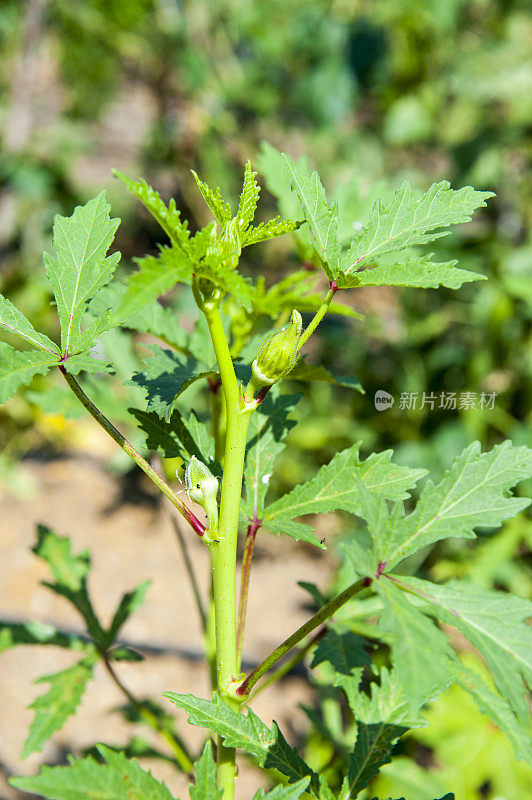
pixel 128 605
pixel 81 267
pixel 420 651
pixel 269 230
pixel 291 292
pixel 409 220
pixel 272 166
pixel 168 218
pixel 152 318
pixel 199 342
pixel 268 429
pixel 314 372
pixel 245 731
pixel 83 362
pixel 118 778
pixel 494 623
pixel 216 261
pixel 221 211
pixel 322 219
pixel 154 277
pixel 494 707
pixel 165 377
pixel 18 368
pixel 344 651
pixel 420 271
pixel 372 750
pixel 15 322
pixel 386 702
pixel 67 569
pixel 291 792
pixel 284 525
pixel 325 791
pixel 473 493
pixel 205 769
pixel 60 701
pixel 179 437
pixel 159 321
pixel 70 573
pixel 36 632
pixel 249 197
pixel 334 488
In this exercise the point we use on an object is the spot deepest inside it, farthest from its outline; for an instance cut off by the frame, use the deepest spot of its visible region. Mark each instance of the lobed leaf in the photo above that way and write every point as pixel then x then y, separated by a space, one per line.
pixel 81 267
pixel 268 429
pixel 15 322
pixel 165 377
pixel 205 769
pixel 70 573
pixel 68 570
pixel 265 231
pixel 221 210
pixel 419 271
pixel 494 623
pixel 128 605
pixel 18 368
pixel 151 318
pixel 249 198
pixel 334 487
pixel 181 436
pixel 410 220
pixel 317 372
pixel 420 651
pixel 154 277
pixel 117 777
pixel 168 217
pixel 291 792
pixel 493 706
pixel 53 708
pixel 372 750
pixel 36 632
pixel 247 732
pixel 84 362
pixel 322 219
pixel 344 651
pixel 473 493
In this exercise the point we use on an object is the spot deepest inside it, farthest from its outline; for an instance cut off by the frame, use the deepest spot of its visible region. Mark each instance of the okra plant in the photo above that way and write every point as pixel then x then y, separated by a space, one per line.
pixel 377 643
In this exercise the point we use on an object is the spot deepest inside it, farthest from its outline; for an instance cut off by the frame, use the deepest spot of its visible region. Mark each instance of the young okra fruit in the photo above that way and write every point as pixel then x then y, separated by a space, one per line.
pixel 247 385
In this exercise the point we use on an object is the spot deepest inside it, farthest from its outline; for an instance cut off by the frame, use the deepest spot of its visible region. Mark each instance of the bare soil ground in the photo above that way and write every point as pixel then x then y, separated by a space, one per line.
pixel 131 539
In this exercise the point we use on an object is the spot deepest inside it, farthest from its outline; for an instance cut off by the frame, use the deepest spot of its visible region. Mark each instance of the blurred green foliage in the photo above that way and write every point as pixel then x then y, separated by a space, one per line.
pixel 372 92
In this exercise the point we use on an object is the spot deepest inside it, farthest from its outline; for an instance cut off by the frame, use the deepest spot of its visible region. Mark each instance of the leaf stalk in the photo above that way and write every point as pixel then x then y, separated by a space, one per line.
pixel 243 691
pixel 128 448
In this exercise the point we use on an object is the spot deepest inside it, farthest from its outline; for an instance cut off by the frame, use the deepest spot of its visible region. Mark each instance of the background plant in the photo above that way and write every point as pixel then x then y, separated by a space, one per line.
pixel 375 92
pixel 412 659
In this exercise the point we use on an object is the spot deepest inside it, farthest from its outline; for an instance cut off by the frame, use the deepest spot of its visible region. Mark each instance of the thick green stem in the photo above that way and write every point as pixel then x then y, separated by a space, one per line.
pixel 128 448
pixel 223 551
pixel 318 316
pixel 217 419
pixel 324 613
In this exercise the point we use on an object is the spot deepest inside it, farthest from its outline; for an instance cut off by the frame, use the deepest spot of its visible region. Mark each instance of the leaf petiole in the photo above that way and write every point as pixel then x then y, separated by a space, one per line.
pixel 128 448
pixel 243 691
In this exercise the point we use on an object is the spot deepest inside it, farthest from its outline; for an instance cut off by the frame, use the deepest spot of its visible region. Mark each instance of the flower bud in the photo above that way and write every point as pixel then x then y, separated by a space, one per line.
pixel 202 488
pixel 278 353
